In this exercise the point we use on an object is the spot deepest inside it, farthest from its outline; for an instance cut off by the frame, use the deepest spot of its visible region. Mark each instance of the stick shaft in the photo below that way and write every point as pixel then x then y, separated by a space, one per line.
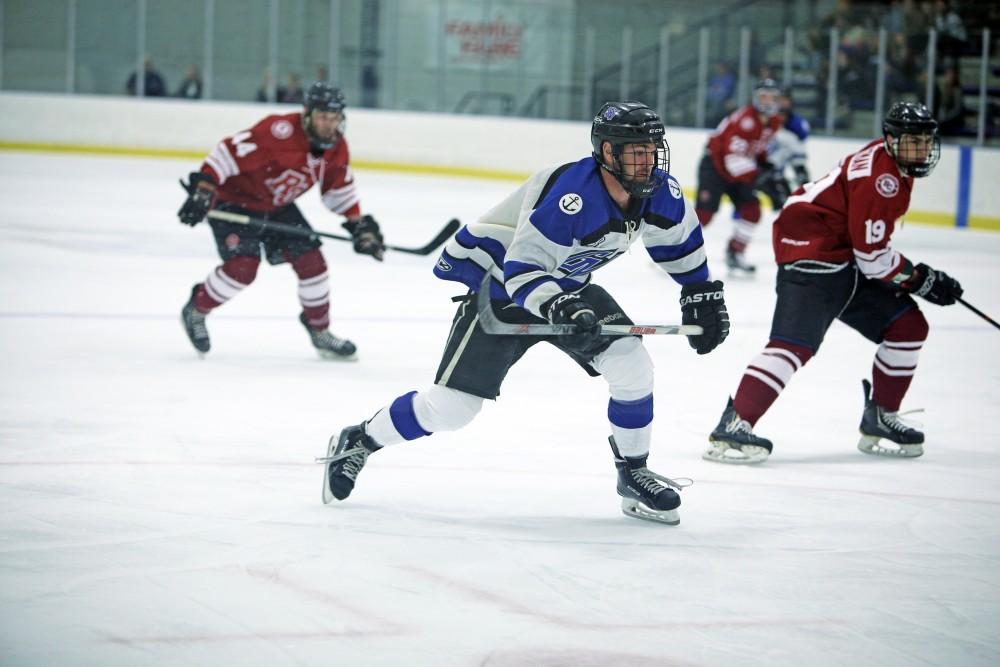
pixel 978 312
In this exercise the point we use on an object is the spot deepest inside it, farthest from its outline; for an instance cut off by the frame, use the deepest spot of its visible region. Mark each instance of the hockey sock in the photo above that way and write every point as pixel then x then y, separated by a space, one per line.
pixel 745 226
pixel 766 376
pixel 225 282
pixel 417 414
pixel 630 425
pixel 314 288
pixel 896 359
pixel 704 216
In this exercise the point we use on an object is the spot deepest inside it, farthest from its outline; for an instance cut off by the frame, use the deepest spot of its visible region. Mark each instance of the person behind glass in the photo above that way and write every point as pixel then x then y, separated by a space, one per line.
pixel 292 92
pixel 540 247
pixel 153 83
pixel 261 172
pixel 835 262
pixel 191 86
pixel 734 164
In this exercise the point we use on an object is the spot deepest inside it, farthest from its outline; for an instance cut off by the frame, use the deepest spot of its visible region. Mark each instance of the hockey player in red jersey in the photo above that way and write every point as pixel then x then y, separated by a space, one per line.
pixel 261 172
pixel 835 261
pixel 735 164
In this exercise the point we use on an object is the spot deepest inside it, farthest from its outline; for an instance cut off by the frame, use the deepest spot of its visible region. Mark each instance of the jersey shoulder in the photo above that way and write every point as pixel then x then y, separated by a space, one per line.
pixel 278 129
pixel 668 201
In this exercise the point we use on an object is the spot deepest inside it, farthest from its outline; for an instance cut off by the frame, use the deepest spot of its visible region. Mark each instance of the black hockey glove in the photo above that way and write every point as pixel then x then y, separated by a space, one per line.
pixel 571 309
pixel 703 304
pixel 772 183
pixel 801 174
pixel 201 192
pixel 935 286
pixel 367 237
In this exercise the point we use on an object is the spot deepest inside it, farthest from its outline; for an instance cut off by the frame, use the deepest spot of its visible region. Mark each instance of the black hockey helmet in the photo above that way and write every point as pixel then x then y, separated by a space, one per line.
pixel 767 97
pixel 322 96
pixel 913 119
pixel 622 123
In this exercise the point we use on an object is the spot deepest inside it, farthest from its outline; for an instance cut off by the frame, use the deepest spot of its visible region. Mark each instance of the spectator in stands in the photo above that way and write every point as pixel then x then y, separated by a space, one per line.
pixel 952 38
pixel 292 92
pixel 721 86
pixel 191 86
pixel 265 91
pixel 949 104
pixel 153 83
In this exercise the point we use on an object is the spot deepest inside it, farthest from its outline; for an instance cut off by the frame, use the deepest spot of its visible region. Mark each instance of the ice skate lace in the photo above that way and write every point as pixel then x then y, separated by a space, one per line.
pixel 653 483
pixel 895 422
pixel 740 425
pixel 198 327
pixel 326 340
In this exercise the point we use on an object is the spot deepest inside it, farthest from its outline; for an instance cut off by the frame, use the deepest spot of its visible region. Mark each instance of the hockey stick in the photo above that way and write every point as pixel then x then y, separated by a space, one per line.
pixel 241 219
pixel 978 312
pixel 492 325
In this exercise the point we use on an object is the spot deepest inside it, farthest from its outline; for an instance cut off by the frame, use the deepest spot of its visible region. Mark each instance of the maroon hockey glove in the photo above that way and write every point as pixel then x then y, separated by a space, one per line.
pixel 571 309
pixel 935 286
pixel 703 304
pixel 367 236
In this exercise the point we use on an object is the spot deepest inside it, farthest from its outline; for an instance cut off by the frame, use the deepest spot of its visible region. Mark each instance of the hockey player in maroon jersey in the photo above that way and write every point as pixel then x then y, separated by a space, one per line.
pixel 831 242
pixel 735 164
pixel 261 172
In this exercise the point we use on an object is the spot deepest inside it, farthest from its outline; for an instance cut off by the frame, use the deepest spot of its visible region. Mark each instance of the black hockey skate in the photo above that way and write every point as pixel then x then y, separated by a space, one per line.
pixel 733 440
pixel 643 495
pixel 877 424
pixel 194 325
pixel 345 457
pixel 328 345
pixel 737 264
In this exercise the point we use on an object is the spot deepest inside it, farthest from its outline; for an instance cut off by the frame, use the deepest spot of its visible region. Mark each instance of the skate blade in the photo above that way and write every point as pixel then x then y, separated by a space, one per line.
pixel 333 356
pixel 721 452
pixel 328 496
pixel 637 510
pixel 742 274
pixel 872 444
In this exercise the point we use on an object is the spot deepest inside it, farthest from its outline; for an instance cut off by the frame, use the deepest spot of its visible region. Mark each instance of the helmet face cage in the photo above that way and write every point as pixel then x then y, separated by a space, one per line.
pixel 631 123
pixel 321 96
pixel 912 139
pixel 767 97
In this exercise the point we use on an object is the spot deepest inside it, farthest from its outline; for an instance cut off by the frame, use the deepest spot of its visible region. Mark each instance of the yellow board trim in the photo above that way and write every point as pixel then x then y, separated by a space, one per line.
pixel 918 217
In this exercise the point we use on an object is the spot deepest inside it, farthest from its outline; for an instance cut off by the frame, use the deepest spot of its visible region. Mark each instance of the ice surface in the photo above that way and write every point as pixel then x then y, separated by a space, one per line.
pixel 159 509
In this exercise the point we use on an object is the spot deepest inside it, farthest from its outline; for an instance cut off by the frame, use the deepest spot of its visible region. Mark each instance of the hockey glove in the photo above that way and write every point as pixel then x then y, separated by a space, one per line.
pixel 367 237
pixel 703 304
pixel 571 309
pixel 772 183
pixel 201 192
pixel 935 286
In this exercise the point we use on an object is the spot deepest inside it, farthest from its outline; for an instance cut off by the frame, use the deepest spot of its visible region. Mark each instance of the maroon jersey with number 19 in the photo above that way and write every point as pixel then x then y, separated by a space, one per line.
pixel 270 166
pixel 849 214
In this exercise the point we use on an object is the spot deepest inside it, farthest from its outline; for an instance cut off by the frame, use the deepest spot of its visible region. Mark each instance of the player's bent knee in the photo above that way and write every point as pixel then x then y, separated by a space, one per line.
pixel 309 264
pixel 241 268
pixel 750 210
pixel 627 367
pixel 445 409
pixel 910 326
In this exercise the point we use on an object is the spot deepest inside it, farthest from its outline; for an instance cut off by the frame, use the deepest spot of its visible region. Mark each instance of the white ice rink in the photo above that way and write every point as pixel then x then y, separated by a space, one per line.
pixel 159 509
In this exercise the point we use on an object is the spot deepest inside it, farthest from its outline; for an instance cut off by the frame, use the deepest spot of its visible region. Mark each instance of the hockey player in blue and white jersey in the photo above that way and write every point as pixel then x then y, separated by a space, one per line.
pixel 540 247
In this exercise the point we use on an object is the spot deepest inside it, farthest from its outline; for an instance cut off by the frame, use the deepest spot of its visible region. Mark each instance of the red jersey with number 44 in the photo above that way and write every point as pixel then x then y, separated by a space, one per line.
pixel 270 166
pixel 849 214
pixel 739 141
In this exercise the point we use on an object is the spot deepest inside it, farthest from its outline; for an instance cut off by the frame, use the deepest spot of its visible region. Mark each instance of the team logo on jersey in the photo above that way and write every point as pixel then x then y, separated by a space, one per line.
pixel 887 185
pixel 281 129
pixel 571 203
pixel 675 190
pixel 746 123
